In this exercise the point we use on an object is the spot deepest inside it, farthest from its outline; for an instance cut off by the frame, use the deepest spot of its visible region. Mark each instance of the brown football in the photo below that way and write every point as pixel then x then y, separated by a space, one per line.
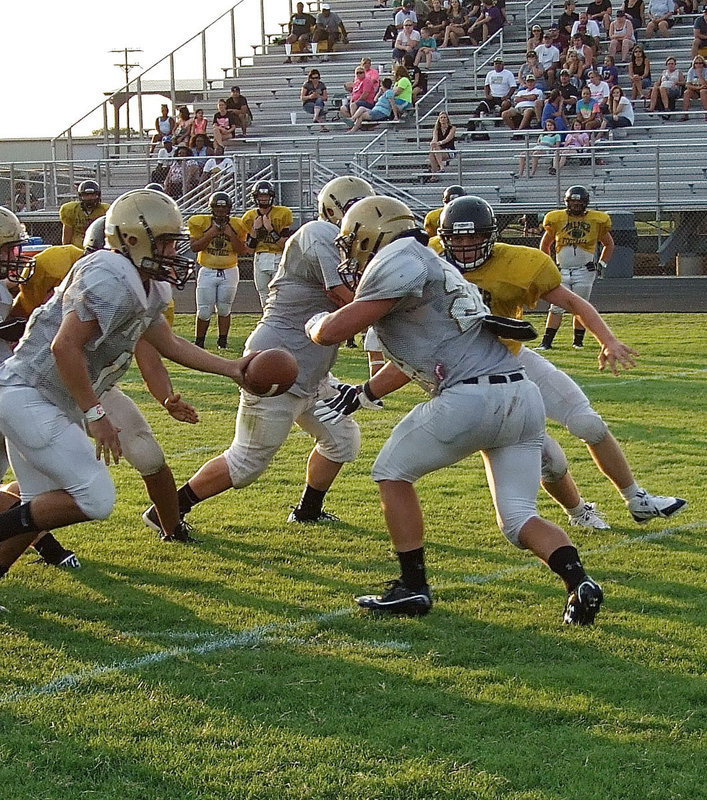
pixel 270 373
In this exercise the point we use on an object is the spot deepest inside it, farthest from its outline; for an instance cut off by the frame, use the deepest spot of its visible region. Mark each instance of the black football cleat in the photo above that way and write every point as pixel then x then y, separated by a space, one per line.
pixel 398 599
pixel 296 515
pixel 182 533
pixel 583 603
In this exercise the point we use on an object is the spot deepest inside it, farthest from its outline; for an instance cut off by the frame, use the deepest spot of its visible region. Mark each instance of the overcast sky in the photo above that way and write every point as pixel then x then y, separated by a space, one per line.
pixel 54 59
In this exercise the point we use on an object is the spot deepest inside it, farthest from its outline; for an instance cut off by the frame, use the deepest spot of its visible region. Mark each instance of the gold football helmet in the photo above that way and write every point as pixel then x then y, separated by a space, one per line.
pixel 14 266
pixel 337 196
pixel 366 228
pixel 137 224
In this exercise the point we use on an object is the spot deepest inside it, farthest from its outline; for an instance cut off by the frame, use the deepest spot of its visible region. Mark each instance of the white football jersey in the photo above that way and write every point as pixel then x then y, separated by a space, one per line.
pixel 308 268
pixel 435 333
pixel 103 286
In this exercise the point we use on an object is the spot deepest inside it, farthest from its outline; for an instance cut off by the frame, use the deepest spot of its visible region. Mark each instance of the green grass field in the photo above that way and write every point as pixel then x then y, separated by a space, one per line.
pixel 240 668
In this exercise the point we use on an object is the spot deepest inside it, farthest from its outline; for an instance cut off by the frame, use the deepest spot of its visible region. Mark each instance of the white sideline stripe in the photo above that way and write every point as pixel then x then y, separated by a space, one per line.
pixel 256 636
pixel 691 373
pixel 251 638
pixel 194 451
pixel 646 537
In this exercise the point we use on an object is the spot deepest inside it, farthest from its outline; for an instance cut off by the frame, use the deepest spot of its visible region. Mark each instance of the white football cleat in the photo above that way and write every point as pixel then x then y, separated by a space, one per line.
pixel 589 517
pixel 644 506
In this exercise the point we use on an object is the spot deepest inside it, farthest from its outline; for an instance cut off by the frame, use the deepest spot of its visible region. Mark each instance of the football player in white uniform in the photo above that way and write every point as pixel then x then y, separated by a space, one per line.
pixel 307 280
pixel 76 347
pixel 436 330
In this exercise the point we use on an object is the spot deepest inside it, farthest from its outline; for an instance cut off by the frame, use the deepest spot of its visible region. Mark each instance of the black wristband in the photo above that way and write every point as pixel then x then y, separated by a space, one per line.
pixel 251 242
pixel 366 389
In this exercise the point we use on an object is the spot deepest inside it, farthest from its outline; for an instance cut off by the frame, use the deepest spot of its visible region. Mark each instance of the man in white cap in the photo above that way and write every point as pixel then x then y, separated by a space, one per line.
pixel 331 28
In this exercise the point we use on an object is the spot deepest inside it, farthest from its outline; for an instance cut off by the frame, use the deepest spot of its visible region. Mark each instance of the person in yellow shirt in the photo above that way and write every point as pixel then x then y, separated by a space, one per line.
pixel 512 278
pixel 219 239
pixel 431 222
pixel 270 225
pixel 51 266
pixel 575 231
pixel 77 215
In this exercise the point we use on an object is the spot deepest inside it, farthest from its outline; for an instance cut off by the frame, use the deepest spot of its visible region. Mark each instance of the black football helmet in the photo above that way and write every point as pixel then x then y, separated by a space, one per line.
pixel 156 187
pixel 263 194
pixel 451 193
pixel 468 216
pixel 89 193
pixel 576 201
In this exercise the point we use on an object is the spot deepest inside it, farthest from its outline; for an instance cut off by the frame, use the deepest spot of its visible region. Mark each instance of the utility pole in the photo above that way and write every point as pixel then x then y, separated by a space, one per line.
pixel 126 66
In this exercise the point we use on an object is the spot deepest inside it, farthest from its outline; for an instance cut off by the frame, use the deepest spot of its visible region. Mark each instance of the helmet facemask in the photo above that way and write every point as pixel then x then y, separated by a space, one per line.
pixel 356 253
pixel 157 265
pixel 470 255
pixel 15 266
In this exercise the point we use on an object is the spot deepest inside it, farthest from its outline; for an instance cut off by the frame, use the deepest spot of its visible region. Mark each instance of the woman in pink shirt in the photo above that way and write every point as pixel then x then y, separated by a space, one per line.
pixel 363 94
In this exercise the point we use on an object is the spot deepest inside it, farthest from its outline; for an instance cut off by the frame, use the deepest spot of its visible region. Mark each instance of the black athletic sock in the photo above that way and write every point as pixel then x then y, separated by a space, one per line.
pixel 200 341
pixel 17 521
pixel 566 563
pixel 579 336
pixel 222 341
pixel 50 549
pixel 412 567
pixel 187 499
pixel 310 504
pixel 549 336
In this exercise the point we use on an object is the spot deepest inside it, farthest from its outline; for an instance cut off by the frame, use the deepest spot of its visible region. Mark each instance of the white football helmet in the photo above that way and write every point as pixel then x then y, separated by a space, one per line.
pixel 337 196
pixel 14 266
pixel 366 228
pixel 136 224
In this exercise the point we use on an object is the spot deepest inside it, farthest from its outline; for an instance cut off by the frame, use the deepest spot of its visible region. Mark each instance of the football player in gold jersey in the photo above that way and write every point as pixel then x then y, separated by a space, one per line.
pixel 431 222
pixel 575 232
pixel 269 225
pixel 511 279
pixel 77 215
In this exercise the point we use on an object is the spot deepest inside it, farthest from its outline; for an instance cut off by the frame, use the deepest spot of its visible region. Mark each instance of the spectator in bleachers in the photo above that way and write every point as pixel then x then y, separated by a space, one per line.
pixel 437 20
pixel 427 48
pixel 695 85
pixel 164 126
pixel 621 35
pixel 635 12
pixel 314 97
pixel 667 88
pixel 554 109
pixel 584 50
pixel 598 88
pixel 385 108
pixel 371 72
pixel 301 27
pixel 407 42
pixel 568 92
pixel 660 15
pixel 218 164
pixel 442 144
pixel 577 143
pixel 164 159
pixel 417 77
pixel 499 86
pixel 588 111
pixel 567 19
pixel 619 110
pixel 531 65
pixel 527 105
pixel 199 125
pixel 490 21
pixel 639 71
pixel 600 12
pixel 402 87
pixel 182 130
pixel 330 28
pixel 700 31
pixel 224 124
pixel 589 29
pixel 362 93
pixel 422 9
pixel 202 150
pixel 184 173
pixel 609 73
pixel 536 37
pixel 238 105
pixel 549 59
pixel 405 14
pixel 457 24
pixel 548 143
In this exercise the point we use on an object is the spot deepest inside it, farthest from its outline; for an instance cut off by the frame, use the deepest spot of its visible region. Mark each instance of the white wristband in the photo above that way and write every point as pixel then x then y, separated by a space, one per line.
pixel 95 413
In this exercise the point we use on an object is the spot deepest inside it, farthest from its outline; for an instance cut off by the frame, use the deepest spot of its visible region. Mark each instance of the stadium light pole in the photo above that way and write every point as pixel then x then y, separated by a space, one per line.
pixel 126 66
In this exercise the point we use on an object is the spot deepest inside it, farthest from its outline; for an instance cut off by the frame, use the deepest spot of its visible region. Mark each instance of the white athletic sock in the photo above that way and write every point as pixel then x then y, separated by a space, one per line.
pixel 577 510
pixel 630 491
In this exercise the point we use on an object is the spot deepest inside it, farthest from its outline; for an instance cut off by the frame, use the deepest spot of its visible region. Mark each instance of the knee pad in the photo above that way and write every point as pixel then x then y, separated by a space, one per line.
pixel 554 461
pixel 96 498
pixel 514 522
pixel 224 309
pixel 588 426
pixel 557 310
pixel 204 313
pixel 241 471
pixel 143 452
pixel 343 444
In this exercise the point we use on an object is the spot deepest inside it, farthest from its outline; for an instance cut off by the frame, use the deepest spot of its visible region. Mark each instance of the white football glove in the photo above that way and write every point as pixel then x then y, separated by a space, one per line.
pixel 601 268
pixel 349 399
pixel 312 321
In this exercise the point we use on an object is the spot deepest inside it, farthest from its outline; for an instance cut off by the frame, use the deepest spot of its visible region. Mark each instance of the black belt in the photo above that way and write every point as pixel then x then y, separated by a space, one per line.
pixel 510 377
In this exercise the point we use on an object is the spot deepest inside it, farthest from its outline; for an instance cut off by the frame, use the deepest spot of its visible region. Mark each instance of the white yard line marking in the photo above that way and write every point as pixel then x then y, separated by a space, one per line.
pixel 646 537
pixel 691 373
pixel 275 631
pixel 194 451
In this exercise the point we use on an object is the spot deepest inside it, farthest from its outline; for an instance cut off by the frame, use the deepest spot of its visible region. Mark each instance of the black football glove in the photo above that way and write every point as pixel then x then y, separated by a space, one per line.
pixel 508 328
pixel 347 400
